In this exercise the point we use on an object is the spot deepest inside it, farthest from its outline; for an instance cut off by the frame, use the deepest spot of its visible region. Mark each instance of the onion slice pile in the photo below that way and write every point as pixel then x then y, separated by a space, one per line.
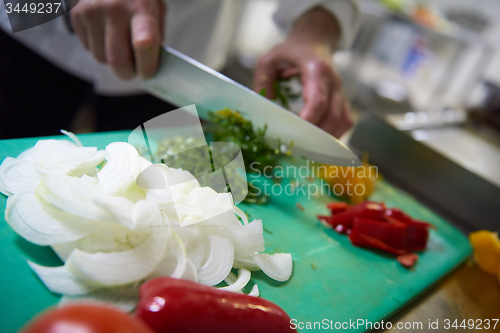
pixel 113 234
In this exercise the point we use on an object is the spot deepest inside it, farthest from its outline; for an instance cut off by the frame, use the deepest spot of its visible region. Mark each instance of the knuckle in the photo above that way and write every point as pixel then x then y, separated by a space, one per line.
pixel 115 61
pixel 146 4
pixel 114 6
pixel 89 12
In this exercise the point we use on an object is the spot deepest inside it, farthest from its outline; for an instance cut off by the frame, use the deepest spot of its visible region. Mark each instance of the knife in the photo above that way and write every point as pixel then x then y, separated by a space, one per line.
pixel 183 81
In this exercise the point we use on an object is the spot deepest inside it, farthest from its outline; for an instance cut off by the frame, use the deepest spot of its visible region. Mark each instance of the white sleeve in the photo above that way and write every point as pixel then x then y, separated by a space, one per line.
pixel 345 11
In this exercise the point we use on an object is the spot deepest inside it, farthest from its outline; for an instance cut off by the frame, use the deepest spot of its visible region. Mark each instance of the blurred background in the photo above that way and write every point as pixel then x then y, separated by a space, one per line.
pixel 423 80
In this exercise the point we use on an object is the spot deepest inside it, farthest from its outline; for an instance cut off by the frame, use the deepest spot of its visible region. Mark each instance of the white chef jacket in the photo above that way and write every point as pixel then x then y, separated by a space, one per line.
pixel 201 29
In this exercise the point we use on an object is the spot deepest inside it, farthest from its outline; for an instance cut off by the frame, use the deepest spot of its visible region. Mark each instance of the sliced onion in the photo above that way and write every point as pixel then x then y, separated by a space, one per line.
pixel 24 213
pixel 119 268
pixel 129 222
pixel 181 255
pixel 122 168
pixel 247 239
pixel 26 155
pixel 230 278
pixel 85 200
pixel 175 261
pixel 64 157
pixel 255 291
pixel 202 204
pixel 108 240
pixel 60 281
pixel 73 137
pixel 243 279
pixel 241 214
pixel 17 176
pixel 277 266
pixel 219 260
pixel 247 262
pixel 195 243
pixel 190 273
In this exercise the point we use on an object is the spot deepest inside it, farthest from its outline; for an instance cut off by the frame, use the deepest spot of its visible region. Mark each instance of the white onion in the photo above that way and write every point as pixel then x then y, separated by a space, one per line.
pixel 73 137
pixel 277 266
pixel 24 213
pixel 123 165
pixel 243 279
pixel 218 261
pixel 118 268
pixel 17 176
pixel 129 222
pixel 64 157
pixel 255 291
pixel 60 281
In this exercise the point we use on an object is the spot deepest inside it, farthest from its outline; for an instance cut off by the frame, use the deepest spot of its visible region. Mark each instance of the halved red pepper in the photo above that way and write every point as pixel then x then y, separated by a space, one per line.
pixel 379 235
pixel 398 239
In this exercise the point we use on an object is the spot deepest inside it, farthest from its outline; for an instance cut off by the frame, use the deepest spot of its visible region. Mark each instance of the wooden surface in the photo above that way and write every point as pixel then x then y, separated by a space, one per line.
pixel 467 293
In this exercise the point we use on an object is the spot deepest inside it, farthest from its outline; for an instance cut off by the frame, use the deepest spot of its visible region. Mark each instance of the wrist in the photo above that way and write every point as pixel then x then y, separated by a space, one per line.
pixel 318 27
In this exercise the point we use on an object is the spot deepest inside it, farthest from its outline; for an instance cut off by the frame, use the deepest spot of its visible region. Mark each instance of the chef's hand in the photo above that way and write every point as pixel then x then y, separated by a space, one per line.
pixel 308 51
pixel 126 34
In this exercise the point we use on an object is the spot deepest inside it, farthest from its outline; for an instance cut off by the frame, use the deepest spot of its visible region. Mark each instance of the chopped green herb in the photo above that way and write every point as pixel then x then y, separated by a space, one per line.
pixel 230 126
pixel 226 126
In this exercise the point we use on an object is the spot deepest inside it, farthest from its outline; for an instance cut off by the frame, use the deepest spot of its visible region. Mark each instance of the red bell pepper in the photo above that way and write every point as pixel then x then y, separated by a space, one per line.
pixel 398 239
pixel 367 209
pixel 175 305
pixel 371 224
pixel 379 235
pixel 395 215
pixel 417 234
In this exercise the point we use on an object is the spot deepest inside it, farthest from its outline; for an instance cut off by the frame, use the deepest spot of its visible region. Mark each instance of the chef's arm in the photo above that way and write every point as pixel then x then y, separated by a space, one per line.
pixel 315 31
pixel 125 34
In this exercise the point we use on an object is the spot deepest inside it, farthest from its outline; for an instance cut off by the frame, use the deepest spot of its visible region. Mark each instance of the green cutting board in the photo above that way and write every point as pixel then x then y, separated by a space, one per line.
pixel 332 280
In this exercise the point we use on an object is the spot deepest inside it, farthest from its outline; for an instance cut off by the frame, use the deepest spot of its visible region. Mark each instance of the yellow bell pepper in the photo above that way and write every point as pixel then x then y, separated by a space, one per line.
pixel 347 179
pixel 486 251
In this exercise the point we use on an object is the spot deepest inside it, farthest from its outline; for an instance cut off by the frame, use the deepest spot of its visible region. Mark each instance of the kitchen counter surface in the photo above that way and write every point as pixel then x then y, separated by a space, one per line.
pixel 467 293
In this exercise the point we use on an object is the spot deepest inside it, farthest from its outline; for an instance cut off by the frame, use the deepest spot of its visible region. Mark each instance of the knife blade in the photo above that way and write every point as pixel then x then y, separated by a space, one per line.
pixel 183 81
